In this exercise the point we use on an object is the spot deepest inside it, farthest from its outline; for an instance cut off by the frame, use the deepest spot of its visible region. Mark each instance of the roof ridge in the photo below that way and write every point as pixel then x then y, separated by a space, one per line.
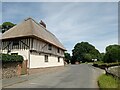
pixel 31 25
pixel 40 25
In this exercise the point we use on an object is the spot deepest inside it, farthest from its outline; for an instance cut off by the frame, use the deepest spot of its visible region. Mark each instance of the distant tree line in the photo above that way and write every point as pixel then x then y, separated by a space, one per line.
pixel 85 52
pixel 68 58
pixel 112 54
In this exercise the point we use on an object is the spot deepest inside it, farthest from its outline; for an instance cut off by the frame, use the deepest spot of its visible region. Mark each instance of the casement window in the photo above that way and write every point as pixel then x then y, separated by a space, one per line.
pixel 49 47
pixel 58 59
pixel 15 42
pixel 58 50
pixel 34 53
pixel 46 58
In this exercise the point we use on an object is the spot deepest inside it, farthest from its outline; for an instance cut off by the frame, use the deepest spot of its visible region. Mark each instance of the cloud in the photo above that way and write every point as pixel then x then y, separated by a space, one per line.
pixel 71 22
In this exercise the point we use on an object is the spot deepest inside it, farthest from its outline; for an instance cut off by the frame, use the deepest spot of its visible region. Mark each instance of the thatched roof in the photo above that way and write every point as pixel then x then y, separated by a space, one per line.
pixel 29 27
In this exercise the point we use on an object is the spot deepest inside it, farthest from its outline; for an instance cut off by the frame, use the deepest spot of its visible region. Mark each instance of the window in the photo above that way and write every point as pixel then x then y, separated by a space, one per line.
pixel 58 50
pixel 49 47
pixel 58 59
pixel 14 53
pixel 16 42
pixel 46 58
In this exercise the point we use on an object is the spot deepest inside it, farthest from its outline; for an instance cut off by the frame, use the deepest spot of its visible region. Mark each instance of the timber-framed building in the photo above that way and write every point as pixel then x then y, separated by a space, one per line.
pixel 35 43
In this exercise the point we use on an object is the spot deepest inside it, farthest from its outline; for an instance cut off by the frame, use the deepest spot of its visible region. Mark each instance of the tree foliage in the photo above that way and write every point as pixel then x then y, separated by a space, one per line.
pixel 85 52
pixel 102 56
pixel 6 26
pixel 112 54
pixel 67 57
pixel 88 57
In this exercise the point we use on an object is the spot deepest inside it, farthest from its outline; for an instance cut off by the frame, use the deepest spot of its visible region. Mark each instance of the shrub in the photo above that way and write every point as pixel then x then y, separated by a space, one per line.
pixel 105 65
pixel 11 58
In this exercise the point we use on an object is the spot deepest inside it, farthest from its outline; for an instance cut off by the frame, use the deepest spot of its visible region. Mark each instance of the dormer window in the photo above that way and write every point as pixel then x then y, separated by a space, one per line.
pixel 49 47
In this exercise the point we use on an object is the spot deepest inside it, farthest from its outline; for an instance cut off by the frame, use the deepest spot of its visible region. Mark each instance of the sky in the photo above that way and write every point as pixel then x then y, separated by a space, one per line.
pixel 70 22
pixel 60 0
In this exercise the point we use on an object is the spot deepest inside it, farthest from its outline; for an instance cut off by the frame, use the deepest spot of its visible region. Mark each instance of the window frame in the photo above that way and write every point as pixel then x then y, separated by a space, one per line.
pixel 58 59
pixel 49 47
pixel 58 50
pixel 46 58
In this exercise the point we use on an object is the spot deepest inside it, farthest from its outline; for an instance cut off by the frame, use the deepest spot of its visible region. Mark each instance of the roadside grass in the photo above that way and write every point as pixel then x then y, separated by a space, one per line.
pixel 107 81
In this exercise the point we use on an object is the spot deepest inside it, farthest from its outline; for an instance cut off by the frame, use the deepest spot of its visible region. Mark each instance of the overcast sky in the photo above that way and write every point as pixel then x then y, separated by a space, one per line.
pixel 93 22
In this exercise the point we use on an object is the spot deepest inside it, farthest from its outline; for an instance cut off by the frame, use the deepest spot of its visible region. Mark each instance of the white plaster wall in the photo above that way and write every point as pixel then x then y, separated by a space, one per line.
pixel 53 61
pixel 38 61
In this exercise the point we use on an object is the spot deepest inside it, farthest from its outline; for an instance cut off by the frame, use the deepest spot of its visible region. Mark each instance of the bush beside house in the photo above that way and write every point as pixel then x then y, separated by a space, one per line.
pixel 6 58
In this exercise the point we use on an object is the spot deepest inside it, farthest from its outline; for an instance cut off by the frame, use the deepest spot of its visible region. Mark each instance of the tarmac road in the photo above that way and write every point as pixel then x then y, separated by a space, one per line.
pixel 73 76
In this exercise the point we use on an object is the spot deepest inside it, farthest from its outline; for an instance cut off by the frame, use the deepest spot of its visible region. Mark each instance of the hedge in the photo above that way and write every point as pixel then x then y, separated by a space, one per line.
pixel 105 65
pixel 11 58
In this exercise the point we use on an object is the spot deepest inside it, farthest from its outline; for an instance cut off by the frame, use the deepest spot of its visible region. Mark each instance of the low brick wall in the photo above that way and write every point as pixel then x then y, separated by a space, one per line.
pixel 9 70
pixel 115 71
pixel 12 69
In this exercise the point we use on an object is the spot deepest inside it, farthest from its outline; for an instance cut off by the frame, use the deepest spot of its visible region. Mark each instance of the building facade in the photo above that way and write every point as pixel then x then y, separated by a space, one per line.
pixel 35 43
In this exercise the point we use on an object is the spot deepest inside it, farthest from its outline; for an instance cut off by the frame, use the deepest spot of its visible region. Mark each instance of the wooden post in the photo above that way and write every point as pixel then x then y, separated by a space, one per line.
pixel 19 70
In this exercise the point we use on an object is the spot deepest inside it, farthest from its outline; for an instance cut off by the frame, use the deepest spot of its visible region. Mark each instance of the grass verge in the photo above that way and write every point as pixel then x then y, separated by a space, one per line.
pixel 107 81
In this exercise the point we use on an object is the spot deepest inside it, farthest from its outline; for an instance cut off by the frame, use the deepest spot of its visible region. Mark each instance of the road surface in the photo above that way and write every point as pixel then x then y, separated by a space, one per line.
pixel 72 76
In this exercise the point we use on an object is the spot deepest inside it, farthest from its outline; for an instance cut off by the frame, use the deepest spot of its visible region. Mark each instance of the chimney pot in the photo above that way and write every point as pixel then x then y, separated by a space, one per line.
pixel 43 24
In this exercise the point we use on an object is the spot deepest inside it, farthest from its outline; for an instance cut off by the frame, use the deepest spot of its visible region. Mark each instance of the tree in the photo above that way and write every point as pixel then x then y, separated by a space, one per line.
pixel 0 28
pixel 85 52
pixel 6 26
pixel 88 57
pixel 112 54
pixel 67 57
pixel 102 56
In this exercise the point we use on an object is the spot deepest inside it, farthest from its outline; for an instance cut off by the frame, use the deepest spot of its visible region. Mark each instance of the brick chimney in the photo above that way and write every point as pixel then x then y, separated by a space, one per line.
pixel 42 23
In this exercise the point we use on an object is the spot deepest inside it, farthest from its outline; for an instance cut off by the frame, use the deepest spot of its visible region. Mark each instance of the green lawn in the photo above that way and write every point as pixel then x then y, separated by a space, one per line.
pixel 107 81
